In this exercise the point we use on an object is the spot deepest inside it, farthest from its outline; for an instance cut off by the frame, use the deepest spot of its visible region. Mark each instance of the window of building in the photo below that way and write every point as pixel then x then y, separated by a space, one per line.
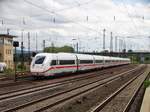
pixel 8 42
pixel 66 62
pixel 8 62
pixel 1 57
pixel 8 51
pixel 1 41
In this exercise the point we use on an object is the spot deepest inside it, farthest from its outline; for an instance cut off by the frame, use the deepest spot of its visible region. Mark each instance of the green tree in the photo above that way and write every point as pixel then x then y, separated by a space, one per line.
pixel 54 49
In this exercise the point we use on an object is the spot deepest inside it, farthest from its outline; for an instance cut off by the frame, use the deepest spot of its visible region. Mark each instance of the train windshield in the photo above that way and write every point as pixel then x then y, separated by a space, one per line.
pixel 39 59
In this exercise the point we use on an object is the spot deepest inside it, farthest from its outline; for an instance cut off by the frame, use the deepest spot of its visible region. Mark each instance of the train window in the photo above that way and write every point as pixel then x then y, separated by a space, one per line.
pixel 86 61
pixel 66 62
pixel 107 61
pixel 54 62
pixel 39 59
pixel 98 61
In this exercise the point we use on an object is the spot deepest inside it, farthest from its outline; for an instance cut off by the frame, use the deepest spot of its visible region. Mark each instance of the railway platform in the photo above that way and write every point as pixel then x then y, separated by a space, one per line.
pixel 145 107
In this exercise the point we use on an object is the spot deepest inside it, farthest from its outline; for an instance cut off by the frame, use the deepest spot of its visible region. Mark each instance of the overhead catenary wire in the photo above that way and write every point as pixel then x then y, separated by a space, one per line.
pixel 132 21
pixel 76 22
pixel 78 5
pixel 52 12
pixel 95 30
pixel 135 28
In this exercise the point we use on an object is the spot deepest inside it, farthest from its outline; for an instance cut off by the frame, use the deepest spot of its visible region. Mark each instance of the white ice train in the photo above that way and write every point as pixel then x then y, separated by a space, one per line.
pixel 50 64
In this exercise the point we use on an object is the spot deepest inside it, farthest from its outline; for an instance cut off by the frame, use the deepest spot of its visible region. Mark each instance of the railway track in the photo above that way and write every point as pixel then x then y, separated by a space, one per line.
pixel 73 92
pixel 51 107
pixel 122 105
pixel 19 74
pixel 52 85
pixel 69 79
pixel 5 81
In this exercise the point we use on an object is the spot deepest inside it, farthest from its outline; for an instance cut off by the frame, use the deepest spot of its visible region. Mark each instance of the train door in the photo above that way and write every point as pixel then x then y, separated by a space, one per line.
pixel 77 63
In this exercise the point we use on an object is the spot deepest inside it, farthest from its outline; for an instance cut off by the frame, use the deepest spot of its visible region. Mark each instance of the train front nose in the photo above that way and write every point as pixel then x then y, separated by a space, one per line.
pixel 38 65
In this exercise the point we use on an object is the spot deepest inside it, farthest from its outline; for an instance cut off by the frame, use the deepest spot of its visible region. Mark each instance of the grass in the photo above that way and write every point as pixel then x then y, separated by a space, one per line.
pixel 9 73
pixel 146 83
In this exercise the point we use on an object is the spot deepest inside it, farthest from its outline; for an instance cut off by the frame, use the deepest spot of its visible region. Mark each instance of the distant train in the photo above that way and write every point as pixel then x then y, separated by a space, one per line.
pixel 50 64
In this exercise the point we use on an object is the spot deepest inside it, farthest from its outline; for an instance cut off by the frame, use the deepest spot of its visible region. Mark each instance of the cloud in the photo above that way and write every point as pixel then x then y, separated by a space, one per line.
pixel 63 20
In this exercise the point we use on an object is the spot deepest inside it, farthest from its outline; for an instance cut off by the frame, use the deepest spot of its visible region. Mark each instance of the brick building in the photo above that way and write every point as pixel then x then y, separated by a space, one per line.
pixel 6 50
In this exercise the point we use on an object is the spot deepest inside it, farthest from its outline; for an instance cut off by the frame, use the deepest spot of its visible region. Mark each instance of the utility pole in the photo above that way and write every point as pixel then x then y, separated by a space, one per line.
pixel 116 43
pixel 52 47
pixel 124 45
pixel 111 42
pixel 29 47
pixel 104 30
pixel 43 45
pixel 22 53
pixel 149 42
pixel 36 42
pixel 2 22
pixel 8 30
pixel 119 45
pixel 77 47
pixel 15 44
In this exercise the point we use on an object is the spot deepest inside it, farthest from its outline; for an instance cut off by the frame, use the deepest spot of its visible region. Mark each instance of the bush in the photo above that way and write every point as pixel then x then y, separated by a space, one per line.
pixel 21 67
pixel 9 72
pixel 146 83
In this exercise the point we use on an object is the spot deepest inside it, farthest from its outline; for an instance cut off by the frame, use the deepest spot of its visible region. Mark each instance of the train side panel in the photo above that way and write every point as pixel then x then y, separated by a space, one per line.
pixel 86 62
pixel 49 64
pixel 66 63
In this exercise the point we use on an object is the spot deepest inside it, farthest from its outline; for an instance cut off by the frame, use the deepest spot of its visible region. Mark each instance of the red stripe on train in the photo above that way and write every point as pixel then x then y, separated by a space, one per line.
pixel 59 67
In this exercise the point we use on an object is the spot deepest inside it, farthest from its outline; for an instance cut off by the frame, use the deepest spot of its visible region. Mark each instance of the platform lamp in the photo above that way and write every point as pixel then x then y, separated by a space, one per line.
pixel 15 44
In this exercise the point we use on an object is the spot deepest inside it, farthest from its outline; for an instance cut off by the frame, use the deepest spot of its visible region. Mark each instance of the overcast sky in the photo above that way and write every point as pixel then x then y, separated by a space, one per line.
pixel 60 21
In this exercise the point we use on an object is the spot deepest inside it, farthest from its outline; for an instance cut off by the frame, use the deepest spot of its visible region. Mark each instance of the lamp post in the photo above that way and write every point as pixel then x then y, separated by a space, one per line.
pixel 22 52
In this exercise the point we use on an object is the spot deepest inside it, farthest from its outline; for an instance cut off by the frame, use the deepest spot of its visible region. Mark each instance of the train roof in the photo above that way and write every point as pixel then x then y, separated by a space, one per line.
pixel 66 56
pixel 84 57
pixel 45 54
pixel 98 57
pixel 80 56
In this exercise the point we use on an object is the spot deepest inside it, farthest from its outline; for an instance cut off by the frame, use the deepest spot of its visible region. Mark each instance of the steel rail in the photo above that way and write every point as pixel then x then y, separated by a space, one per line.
pixel 48 85
pixel 101 105
pixel 61 93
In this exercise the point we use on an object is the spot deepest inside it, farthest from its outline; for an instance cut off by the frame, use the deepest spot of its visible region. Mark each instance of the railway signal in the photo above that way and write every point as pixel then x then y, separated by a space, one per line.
pixel 15 44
